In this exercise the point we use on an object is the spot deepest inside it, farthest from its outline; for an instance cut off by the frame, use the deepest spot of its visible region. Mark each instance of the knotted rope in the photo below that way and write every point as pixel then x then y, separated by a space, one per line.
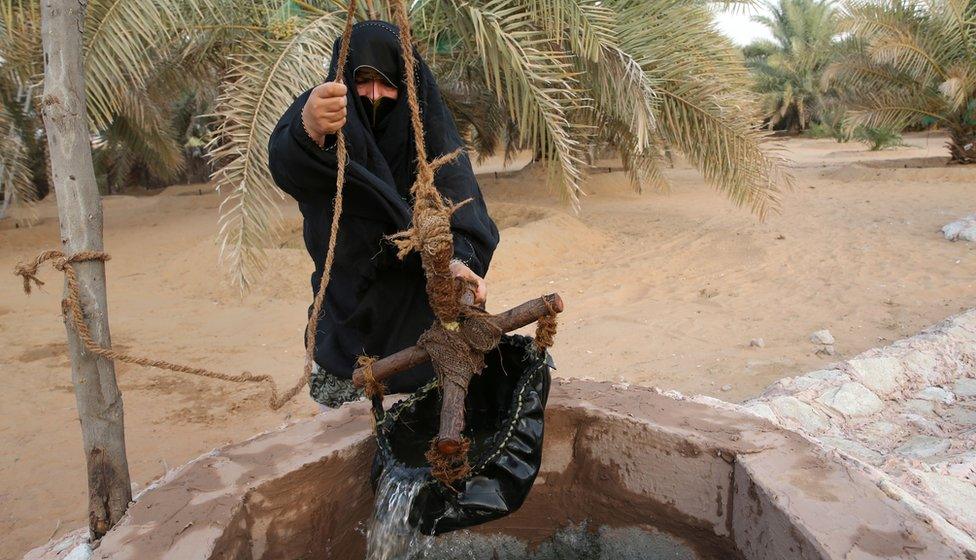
pixel 72 306
pixel 430 231
pixel 449 468
pixel 458 355
pixel 73 311
pixel 545 329
pixel 373 388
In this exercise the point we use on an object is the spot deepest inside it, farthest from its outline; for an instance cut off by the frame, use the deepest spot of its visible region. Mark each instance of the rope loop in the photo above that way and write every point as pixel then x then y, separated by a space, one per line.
pixel 545 330
pixel 373 388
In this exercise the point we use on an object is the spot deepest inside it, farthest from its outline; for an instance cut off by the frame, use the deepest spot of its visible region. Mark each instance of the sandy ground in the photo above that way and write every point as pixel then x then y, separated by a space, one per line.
pixel 661 289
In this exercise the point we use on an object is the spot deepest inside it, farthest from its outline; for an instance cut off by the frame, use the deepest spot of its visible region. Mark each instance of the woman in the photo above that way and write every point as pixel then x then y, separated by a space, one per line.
pixel 375 304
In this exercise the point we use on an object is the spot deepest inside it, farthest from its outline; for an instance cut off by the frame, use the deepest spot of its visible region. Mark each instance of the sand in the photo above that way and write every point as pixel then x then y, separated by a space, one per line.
pixel 661 289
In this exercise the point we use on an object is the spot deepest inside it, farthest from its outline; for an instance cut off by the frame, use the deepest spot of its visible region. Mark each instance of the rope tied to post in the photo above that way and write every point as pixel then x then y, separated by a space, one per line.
pixel 74 312
pixel 60 261
pixel 458 355
pixel 449 468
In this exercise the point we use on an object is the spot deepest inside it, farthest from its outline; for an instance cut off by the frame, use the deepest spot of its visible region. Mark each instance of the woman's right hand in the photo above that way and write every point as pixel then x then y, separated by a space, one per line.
pixel 325 111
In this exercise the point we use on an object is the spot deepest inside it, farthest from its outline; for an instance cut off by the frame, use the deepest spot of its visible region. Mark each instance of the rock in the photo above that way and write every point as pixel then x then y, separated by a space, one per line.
pixel 922 366
pixel 826 351
pixel 882 430
pixel 726 388
pixel 834 375
pixel 920 447
pixel 822 337
pixel 761 409
pixel 798 413
pixel 922 423
pixel 80 552
pixel 957 496
pixel 961 230
pixel 961 333
pixel 961 415
pixel 964 466
pixel 964 388
pixel 936 394
pixel 919 406
pixel 881 374
pixel 757 343
pixel 851 399
pixel 854 449
pixel 802 383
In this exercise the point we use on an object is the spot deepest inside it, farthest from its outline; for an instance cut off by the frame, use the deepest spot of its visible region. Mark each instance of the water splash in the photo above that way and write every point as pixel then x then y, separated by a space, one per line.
pixel 390 535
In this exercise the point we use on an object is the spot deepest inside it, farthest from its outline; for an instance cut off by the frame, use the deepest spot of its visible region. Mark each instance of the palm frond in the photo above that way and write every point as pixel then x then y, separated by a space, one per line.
pixel 264 74
pixel 703 110
pixel 17 193
pixel 917 67
pixel 123 39
pixel 533 80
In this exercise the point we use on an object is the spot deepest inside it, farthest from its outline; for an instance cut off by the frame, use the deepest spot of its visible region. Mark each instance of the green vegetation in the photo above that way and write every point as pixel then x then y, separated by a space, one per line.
pixel 558 77
pixel 878 138
pixel 788 70
pixel 914 65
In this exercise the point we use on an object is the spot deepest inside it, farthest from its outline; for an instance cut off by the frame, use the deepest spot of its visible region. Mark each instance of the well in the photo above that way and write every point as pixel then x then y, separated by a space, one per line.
pixel 723 483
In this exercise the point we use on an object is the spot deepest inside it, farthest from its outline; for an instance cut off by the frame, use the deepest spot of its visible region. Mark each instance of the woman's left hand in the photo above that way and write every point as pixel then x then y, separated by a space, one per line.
pixel 461 270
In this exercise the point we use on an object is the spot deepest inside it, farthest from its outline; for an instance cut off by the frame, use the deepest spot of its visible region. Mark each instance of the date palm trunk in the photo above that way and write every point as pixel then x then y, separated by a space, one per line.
pixel 962 143
pixel 80 215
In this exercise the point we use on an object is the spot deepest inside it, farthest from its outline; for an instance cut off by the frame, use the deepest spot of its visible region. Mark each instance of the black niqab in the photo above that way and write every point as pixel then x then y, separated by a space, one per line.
pixel 376 304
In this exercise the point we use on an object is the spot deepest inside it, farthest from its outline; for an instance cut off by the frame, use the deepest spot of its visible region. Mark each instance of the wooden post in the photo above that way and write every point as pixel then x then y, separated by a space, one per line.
pixel 80 214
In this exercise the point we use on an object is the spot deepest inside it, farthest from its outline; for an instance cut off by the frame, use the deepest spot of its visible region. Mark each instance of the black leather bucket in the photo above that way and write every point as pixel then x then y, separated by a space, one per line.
pixel 504 419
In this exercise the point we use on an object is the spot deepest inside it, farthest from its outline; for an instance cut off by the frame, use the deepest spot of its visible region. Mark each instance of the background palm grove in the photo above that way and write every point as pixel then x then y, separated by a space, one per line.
pixel 183 89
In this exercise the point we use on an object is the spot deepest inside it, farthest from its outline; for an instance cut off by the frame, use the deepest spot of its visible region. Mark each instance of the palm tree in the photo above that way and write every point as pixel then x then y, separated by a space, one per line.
pixel 917 66
pixel 553 76
pixel 788 69
pixel 134 69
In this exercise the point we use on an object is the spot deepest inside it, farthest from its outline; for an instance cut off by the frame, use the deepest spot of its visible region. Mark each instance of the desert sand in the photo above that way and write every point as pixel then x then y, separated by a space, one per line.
pixel 662 289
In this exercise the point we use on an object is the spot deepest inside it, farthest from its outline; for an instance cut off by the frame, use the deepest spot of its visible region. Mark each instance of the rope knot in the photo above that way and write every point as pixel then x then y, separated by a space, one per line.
pixel 545 329
pixel 449 468
pixel 373 388
pixel 59 261
pixel 28 273
pixel 458 355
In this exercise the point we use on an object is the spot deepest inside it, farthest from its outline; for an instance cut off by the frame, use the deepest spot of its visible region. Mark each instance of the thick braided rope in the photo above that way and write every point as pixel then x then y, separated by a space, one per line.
pixel 72 307
pixel 342 157
pixel 430 233
pixel 545 328
pixel 373 388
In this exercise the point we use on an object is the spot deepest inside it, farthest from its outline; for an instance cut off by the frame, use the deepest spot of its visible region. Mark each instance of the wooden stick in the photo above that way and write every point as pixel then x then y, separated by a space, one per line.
pixel 515 318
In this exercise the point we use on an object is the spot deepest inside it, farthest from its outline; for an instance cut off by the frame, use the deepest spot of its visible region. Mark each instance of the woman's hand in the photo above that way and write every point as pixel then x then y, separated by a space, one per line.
pixel 325 111
pixel 461 270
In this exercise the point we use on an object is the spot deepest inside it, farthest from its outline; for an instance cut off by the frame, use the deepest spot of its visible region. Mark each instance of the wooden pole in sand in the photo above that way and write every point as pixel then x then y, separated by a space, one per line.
pixel 80 215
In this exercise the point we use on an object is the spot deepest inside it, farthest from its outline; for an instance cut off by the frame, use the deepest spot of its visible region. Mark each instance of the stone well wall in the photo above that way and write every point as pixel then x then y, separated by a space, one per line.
pixel 723 482
pixel 905 415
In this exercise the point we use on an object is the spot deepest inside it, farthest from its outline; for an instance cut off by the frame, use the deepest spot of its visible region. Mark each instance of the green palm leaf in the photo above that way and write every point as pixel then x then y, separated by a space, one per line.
pixel 264 75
